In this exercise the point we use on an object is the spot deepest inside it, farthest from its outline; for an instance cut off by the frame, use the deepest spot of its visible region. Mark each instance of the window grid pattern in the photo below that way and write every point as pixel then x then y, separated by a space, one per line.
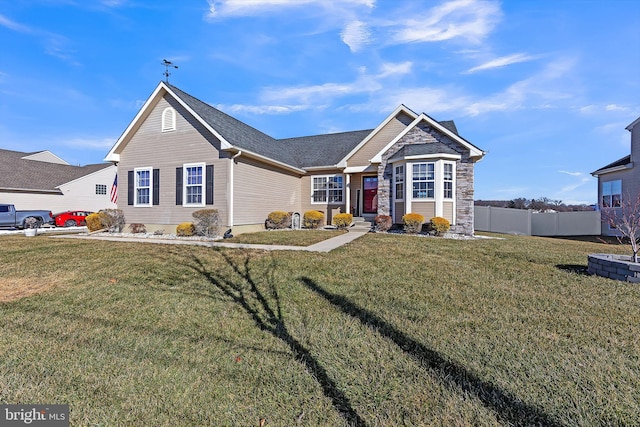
pixel 423 181
pixel 194 184
pixel 612 194
pixel 327 189
pixel 399 182
pixel 101 189
pixel 143 187
pixel 448 181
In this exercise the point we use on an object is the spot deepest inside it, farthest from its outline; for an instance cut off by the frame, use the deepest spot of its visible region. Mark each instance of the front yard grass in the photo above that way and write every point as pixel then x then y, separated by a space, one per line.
pixel 286 237
pixel 387 330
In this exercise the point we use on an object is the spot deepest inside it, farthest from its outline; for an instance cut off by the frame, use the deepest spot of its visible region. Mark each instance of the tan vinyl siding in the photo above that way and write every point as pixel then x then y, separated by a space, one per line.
pixel 378 142
pixel 260 189
pixel 447 211
pixel 150 147
pixel 356 184
pixel 306 205
pixel 426 209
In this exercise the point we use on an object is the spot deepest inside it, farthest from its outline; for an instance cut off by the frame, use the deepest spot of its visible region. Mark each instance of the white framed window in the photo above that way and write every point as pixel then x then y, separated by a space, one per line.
pixel 612 194
pixel 101 189
pixel 447 177
pixel 193 184
pixel 327 189
pixel 423 181
pixel 168 119
pixel 398 179
pixel 143 184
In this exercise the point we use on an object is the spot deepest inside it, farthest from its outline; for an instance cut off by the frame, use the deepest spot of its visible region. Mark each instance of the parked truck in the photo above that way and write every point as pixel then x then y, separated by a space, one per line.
pixel 10 217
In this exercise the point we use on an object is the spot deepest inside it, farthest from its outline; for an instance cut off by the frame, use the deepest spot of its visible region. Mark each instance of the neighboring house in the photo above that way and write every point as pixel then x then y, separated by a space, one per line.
pixel 180 154
pixel 41 180
pixel 620 179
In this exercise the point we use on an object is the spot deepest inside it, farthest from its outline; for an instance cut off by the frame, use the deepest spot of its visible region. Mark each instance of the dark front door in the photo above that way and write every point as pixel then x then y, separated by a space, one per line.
pixel 370 194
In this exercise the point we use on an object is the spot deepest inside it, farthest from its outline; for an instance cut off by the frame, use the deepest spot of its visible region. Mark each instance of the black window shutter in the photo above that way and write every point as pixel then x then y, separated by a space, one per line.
pixel 130 188
pixel 156 186
pixel 209 188
pixel 179 186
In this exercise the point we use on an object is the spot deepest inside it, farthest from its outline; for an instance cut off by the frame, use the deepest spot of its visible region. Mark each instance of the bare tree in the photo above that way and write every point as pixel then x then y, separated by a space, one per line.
pixel 624 216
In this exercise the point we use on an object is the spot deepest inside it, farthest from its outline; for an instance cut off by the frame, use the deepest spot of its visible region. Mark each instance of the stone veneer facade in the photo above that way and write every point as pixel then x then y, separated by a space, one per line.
pixel 464 176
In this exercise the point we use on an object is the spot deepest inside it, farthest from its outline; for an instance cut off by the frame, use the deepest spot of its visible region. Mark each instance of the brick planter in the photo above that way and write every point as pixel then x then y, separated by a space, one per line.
pixel 617 267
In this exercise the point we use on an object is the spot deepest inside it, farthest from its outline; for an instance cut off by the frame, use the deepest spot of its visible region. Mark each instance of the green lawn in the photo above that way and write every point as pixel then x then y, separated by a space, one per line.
pixel 286 237
pixel 388 330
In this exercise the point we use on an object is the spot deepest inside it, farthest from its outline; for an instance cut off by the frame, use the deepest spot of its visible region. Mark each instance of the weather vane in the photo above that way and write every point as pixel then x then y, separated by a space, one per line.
pixel 166 73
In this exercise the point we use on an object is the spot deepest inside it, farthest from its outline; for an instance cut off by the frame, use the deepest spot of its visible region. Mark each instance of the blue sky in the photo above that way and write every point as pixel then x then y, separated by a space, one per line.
pixel 545 87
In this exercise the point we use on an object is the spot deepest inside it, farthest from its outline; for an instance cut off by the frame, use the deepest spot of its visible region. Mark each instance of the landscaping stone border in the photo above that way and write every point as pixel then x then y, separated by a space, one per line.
pixel 617 267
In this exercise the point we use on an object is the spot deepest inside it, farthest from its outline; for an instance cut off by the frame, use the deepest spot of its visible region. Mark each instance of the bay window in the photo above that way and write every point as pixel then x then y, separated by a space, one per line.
pixel 423 180
pixel 448 181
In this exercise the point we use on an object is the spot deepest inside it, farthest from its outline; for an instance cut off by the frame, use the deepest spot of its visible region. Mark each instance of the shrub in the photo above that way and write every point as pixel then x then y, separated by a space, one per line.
pixel 93 222
pixel 342 220
pixel 440 225
pixel 278 220
pixel 207 222
pixel 136 227
pixel 413 223
pixel 112 219
pixel 185 229
pixel 383 222
pixel 313 219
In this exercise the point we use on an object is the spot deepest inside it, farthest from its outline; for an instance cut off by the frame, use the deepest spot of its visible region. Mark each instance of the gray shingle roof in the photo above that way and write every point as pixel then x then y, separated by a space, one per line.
pixel 621 162
pixel 19 173
pixel 300 152
pixel 323 150
pixel 423 149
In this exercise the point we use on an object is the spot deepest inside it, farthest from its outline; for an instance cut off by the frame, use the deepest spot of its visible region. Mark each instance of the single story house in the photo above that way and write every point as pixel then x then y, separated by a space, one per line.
pixel 42 180
pixel 618 180
pixel 180 154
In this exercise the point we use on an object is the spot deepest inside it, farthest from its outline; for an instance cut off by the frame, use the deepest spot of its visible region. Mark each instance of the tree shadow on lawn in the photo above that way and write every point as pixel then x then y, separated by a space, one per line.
pixel 506 406
pixel 268 317
pixel 574 268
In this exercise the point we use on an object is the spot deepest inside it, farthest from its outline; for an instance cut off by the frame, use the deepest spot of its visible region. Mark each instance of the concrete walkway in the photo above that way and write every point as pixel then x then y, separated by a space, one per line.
pixel 324 246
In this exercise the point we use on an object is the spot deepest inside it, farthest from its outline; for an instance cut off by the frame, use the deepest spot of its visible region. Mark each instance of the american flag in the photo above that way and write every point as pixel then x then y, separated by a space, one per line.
pixel 114 190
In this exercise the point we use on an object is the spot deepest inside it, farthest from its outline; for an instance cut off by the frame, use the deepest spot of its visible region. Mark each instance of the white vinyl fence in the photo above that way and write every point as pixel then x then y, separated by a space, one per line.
pixel 528 223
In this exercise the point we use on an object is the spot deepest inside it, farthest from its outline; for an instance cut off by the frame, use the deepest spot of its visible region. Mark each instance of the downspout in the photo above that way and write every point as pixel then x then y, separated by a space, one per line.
pixel 230 187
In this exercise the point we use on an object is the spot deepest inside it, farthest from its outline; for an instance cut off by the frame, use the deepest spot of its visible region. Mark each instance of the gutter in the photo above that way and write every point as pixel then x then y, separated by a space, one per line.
pixel 230 199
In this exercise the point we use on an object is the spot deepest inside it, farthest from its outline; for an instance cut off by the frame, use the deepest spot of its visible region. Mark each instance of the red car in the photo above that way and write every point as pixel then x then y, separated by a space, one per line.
pixel 71 218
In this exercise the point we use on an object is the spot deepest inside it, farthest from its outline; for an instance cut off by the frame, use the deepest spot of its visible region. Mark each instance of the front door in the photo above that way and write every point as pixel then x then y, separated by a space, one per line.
pixel 370 194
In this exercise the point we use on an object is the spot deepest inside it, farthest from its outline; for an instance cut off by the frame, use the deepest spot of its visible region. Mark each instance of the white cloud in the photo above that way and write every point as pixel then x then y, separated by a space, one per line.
pixel 7 23
pixel 223 8
pixel 472 20
pixel 365 83
pixel 614 107
pixel 502 62
pixel 572 173
pixel 262 109
pixel 113 3
pixel 89 143
pixel 393 69
pixel 356 35
pixel 54 44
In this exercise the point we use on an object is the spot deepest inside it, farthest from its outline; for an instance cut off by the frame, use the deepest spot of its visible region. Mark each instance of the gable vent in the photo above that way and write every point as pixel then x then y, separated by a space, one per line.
pixel 168 119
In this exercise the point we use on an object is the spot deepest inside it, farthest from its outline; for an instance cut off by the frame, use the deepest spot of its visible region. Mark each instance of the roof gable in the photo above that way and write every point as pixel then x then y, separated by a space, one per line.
pixel 297 154
pixel 474 152
pixel 19 172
